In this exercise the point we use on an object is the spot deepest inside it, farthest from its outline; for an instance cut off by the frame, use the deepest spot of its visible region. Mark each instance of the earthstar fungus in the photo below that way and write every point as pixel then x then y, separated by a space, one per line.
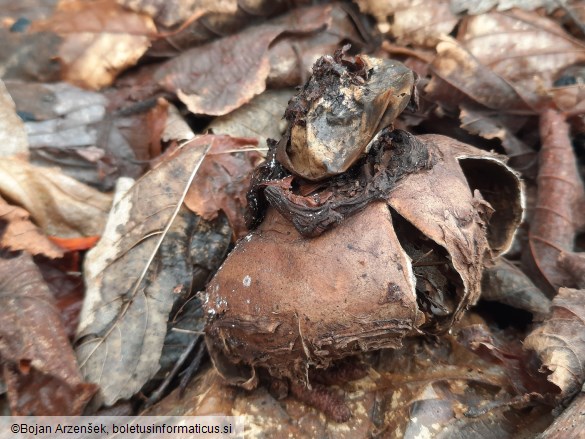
pixel 352 255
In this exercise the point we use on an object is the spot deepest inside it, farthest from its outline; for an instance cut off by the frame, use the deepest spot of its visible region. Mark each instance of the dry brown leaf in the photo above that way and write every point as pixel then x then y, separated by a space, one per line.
pixel 223 180
pixel 412 22
pixel 100 39
pixel 221 76
pixel 208 85
pixel 261 118
pixel 40 370
pixel 556 217
pixel 136 273
pixel 12 134
pixel 559 342
pixel 19 233
pixel 60 205
pixel 521 47
pixel 172 12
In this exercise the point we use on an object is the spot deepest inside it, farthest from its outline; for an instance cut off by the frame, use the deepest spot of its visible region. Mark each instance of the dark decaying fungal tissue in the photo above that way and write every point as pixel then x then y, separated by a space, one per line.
pixel 363 234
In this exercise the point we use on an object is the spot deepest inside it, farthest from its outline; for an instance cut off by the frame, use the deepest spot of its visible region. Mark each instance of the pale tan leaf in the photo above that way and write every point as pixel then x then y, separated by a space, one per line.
pixel 12 134
pixel 60 205
pixel 260 118
pixel 101 39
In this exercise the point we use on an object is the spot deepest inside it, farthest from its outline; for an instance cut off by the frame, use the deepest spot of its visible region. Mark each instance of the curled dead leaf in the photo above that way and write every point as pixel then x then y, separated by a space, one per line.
pixel 100 39
pixel 559 342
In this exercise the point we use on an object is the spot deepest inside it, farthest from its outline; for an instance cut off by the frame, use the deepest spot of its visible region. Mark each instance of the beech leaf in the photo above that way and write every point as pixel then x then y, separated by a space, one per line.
pixel 134 275
pixel 19 233
pixel 39 366
pixel 207 85
pixel 100 39
pixel 260 118
pixel 522 47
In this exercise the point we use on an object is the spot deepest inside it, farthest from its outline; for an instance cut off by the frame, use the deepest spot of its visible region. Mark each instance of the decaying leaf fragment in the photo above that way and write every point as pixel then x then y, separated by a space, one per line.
pixel 560 344
pixel 222 182
pixel 393 247
pixel 136 273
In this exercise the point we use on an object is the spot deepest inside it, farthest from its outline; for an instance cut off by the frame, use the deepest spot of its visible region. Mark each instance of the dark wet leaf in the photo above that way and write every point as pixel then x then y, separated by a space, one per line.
pixel 39 366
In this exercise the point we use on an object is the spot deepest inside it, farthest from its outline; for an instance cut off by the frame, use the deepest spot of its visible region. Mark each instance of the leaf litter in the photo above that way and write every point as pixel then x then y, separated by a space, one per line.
pixel 492 99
